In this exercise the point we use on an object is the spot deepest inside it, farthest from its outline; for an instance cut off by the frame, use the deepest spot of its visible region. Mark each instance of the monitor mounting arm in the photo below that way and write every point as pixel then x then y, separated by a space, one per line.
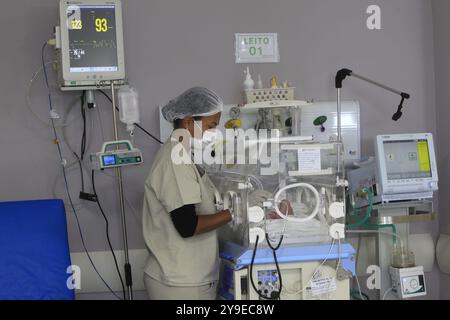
pixel 340 76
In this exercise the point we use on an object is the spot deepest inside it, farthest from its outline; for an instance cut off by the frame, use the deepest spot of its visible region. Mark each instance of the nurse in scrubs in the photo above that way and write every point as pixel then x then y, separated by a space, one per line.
pixel 180 219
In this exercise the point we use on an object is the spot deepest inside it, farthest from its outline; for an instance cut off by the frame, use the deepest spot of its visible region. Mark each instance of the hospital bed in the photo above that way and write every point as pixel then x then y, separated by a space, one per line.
pixel 34 251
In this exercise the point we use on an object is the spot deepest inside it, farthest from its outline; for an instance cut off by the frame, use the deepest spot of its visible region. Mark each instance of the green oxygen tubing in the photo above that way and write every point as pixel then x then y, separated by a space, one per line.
pixel 364 222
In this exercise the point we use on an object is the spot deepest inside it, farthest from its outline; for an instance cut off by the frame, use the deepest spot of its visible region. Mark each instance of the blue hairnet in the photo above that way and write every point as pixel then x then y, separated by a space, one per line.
pixel 195 102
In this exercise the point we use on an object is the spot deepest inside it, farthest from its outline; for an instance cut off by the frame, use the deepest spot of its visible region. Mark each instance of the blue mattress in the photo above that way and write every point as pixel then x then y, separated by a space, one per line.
pixel 34 251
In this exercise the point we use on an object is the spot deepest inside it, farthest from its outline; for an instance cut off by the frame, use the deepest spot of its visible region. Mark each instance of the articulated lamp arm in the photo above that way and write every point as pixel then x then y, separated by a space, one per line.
pixel 344 73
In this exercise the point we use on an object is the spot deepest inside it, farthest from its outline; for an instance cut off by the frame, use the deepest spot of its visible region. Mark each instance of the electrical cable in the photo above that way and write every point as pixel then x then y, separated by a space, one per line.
pixel 83 137
pixel 361 294
pixel 80 205
pixel 315 271
pixel 136 124
pixel 69 166
pixel 81 171
pixel 100 122
pixel 113 177
pixel 358 250
pixel 357 296
pixel 338 264
pixel 84 146
pixel 83 141
pixel 56 141
pixel 72 150
pixel 386 293
pixel 107 234
pixel 339 253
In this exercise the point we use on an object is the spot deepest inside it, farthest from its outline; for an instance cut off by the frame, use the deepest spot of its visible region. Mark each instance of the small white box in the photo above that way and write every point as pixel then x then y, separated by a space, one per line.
pixel 408 282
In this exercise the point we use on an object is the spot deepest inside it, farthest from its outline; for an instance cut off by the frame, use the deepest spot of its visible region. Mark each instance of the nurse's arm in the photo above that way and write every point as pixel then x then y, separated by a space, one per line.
pixel 207 223
pixel 189 224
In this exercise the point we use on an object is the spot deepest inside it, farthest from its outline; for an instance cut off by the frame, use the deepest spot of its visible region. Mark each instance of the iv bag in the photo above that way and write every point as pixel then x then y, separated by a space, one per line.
pixel 129 106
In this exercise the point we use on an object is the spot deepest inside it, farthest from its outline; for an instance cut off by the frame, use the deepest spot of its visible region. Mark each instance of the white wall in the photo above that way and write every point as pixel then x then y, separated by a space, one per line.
pixel 441 8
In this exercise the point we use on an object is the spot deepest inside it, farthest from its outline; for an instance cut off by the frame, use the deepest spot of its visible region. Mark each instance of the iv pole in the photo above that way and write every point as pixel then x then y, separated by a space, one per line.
pixel 128 276
pixel 340 76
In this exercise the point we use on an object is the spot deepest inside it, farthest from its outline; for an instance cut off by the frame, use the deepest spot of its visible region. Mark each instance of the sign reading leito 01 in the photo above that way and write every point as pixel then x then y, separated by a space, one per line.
pixel 257 48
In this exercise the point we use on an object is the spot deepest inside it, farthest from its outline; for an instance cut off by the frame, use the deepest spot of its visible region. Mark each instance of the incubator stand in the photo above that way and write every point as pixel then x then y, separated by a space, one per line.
pixel 304 275
pixel 395 251
pixel 306 206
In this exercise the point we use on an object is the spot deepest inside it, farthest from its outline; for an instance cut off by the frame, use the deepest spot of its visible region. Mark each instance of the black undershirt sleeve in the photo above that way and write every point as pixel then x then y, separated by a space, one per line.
pixel 185 220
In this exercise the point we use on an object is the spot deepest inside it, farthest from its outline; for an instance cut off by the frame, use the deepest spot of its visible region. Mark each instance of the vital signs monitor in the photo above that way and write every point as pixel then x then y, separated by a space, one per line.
pixel 91 42
pixel 406 166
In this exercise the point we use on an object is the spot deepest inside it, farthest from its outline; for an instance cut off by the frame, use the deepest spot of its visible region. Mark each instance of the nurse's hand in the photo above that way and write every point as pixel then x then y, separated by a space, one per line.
pixel 231 213
pixel 285 208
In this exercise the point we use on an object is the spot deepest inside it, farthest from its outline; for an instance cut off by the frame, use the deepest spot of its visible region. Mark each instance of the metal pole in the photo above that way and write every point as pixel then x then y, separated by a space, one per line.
pixel 339 129
pixel 376 83
pixel 128 279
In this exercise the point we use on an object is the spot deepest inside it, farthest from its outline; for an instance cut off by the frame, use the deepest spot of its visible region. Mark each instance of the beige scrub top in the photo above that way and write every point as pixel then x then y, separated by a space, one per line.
pixel 174 260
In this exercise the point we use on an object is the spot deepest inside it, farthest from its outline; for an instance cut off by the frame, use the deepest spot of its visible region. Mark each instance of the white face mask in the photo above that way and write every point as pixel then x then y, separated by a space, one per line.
pixel 209 137
pixel 208 142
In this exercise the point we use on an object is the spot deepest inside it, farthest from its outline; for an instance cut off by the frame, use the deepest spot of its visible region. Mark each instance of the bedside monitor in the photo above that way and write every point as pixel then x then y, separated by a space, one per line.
pixel 406 166
pixel 91 42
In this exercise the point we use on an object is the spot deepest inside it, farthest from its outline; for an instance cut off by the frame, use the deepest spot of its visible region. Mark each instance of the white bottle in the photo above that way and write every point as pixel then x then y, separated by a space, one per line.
pixel 249 83
pixel 259 84
pixel 129 107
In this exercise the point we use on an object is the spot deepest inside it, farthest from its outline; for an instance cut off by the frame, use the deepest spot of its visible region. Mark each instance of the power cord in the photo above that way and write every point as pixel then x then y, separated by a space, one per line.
pixel 83 142
pixel 315 271
pixel 107 233
pixel 361 295
pixel 80 163
pixel 83 137
pixel 386 293
pixel 56 141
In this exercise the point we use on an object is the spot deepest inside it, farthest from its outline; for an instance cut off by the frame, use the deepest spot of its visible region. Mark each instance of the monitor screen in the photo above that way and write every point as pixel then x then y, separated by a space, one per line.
pixel 92 38
pixel 109 160
pixel 407 159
